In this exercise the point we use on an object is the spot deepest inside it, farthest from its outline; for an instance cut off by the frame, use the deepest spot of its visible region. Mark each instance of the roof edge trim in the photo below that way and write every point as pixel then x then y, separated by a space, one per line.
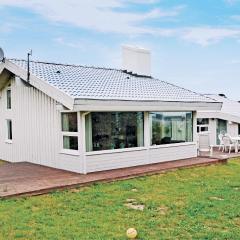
pixel 40 84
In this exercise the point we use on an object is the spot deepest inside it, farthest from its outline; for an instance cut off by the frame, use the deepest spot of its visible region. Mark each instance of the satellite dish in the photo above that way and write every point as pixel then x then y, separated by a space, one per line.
pixel 1 55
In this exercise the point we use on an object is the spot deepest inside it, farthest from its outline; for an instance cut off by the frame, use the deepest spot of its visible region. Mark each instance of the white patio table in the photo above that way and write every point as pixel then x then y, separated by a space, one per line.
pixel 236 141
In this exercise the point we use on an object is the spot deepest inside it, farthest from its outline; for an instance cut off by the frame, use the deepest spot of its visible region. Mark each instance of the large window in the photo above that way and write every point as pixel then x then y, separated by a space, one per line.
pixel 171 127
pixel 202 124
pixel 114 130
pixel 70 131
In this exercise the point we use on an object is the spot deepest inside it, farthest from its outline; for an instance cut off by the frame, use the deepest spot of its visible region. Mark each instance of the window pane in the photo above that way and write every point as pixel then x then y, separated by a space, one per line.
pixel 69 122
pixel 114 130
pixel 171 127
pixel 204 129
pixel 202 121
pixel 70 142
pixel 9 129
pixel 9 99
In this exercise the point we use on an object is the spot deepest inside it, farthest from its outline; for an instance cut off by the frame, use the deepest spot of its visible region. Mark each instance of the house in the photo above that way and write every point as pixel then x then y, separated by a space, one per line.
pixel 87 119
pixel 216 121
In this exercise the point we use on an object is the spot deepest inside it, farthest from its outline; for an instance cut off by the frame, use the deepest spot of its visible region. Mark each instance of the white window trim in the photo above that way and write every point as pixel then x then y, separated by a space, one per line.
pixel 8 141
pixel 70 134
pixel 152 146
pixel 172 145
pixel 119 150
pixel 144 147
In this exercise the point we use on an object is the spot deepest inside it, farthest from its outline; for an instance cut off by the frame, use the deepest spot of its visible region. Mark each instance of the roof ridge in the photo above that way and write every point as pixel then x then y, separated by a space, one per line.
pixel 65 64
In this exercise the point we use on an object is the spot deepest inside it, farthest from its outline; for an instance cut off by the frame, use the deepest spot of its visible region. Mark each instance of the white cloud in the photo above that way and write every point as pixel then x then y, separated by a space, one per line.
pixel 236 17
pixel 100 15
pixel 114 16
pixel 208 35
pixel 231 2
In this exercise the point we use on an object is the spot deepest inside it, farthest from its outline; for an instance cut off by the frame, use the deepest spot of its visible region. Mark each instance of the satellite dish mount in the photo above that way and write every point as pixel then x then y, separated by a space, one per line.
pixel 28 65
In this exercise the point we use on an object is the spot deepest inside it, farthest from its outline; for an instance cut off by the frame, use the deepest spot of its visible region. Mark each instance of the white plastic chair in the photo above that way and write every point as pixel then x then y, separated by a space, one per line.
pixel 228 144
pixel 204 143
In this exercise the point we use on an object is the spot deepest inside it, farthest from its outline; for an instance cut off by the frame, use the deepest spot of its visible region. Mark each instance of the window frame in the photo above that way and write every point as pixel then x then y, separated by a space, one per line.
pixel 70 134
pixel 106 151
pixel 171 144
pixel 202 125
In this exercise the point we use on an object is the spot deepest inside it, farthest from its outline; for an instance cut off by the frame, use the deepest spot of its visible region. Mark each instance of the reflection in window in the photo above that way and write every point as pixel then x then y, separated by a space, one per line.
pixel 202 124
pixel 70 142
pixel 69 122
pixel 114 130
pixel 202 121
pixel 171 127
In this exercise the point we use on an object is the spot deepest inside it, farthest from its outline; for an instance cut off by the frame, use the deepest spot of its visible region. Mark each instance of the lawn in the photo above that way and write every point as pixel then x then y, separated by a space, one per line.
pixel 196 203
pixel 1 162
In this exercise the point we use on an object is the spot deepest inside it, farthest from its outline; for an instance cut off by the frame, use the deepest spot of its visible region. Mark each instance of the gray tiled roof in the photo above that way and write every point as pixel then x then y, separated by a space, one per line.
pixel 83 82
pixel 229 106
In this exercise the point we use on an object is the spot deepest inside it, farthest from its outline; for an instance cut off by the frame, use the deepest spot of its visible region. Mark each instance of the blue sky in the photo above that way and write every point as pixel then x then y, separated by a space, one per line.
pixel 194 44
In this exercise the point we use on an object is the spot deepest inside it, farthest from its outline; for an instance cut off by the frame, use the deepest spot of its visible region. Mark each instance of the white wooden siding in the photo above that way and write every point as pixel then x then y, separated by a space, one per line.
pixel 170 153
pixel 212 128
pixel 100 162
pixel 36 129
pixel 232 129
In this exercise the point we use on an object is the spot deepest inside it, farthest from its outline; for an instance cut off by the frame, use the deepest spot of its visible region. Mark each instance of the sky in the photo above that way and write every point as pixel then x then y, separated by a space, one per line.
pixel 194 44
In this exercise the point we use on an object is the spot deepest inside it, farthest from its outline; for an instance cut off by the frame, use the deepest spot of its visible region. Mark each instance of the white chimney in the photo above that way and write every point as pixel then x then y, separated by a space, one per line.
pixel 136 60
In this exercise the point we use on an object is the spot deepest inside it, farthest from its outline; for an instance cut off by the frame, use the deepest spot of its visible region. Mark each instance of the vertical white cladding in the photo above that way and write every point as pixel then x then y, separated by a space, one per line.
pixel 232 129
pixel 36 129
pixel 212 128
pixel 136 60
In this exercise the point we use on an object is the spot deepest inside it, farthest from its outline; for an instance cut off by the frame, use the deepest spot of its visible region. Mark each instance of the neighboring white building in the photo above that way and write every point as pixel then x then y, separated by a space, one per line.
pixel 225 120
pixel 87 119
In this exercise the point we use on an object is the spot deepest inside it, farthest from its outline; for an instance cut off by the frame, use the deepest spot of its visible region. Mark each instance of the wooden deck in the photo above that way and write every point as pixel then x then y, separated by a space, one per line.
pixel 220 155
pixel 22 179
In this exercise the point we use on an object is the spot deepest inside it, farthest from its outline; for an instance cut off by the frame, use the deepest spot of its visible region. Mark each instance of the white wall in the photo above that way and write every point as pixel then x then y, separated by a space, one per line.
pixel 212 128
pixel 232 129
pixel 36 129
pixel 99 162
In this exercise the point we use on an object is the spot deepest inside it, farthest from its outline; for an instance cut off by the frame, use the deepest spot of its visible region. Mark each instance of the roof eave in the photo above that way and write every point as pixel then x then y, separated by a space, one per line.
pixel 40 84
pixel 219 115
pixel 121 105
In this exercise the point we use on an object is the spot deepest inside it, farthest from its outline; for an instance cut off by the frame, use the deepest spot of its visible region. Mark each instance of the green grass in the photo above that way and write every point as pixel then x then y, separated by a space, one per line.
pixel 196 203
pixel 1 162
